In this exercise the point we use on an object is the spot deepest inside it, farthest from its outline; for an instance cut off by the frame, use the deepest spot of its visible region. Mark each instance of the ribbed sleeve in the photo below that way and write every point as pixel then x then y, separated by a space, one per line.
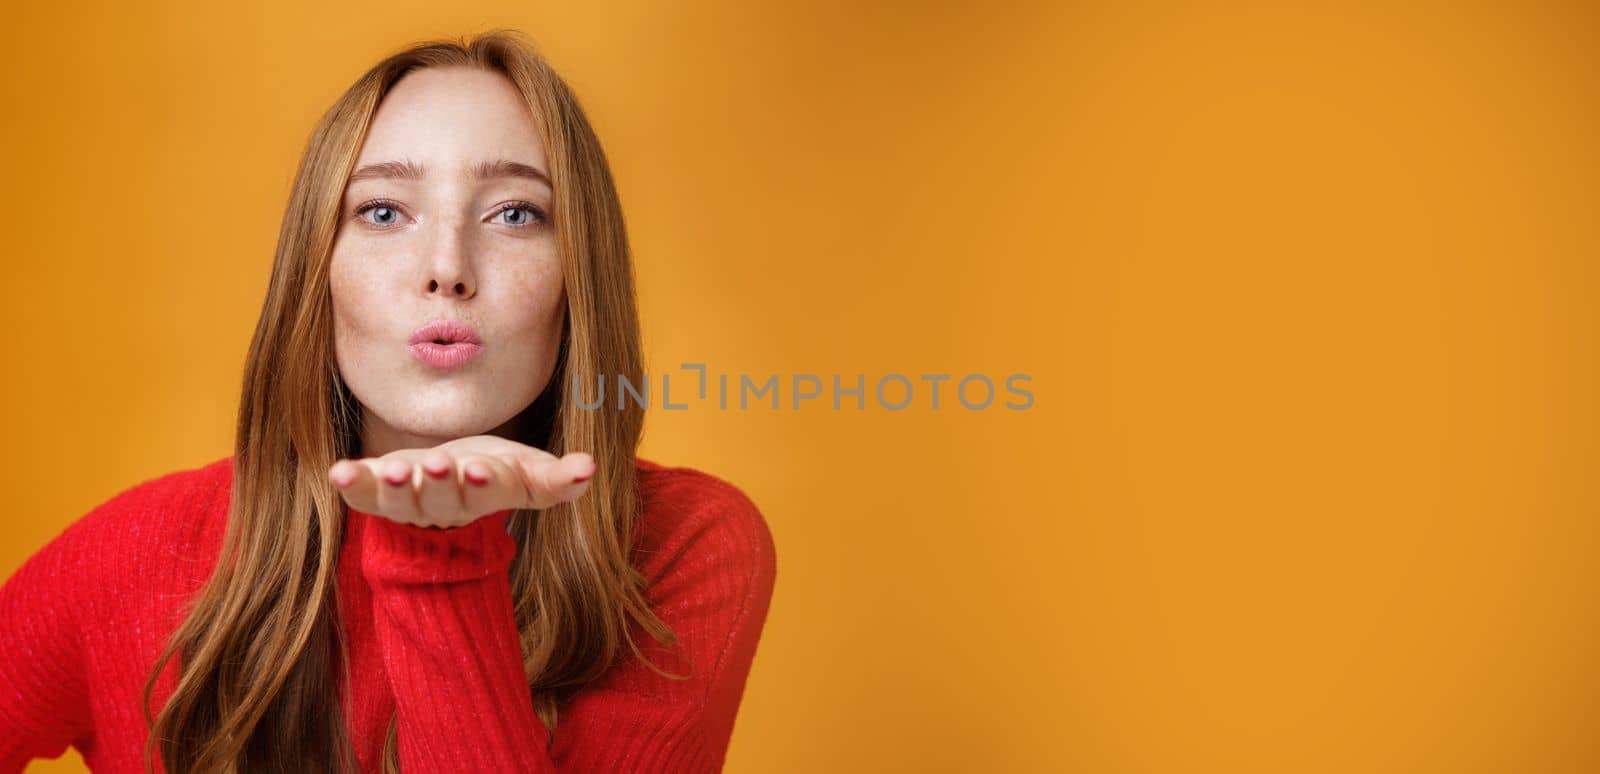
pixel 446 628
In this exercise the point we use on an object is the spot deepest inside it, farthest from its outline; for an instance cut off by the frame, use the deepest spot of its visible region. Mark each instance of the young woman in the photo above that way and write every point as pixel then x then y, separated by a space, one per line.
pixel 422 553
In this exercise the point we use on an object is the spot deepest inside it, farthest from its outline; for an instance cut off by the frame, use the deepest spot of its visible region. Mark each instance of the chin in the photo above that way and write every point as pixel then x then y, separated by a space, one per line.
pixel 427 421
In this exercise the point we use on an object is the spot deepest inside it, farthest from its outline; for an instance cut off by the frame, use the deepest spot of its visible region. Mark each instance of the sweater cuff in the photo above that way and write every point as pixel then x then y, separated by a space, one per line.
pixel 395 553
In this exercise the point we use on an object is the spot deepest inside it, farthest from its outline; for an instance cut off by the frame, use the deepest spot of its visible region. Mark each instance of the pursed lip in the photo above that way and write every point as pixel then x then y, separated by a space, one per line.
pixel 448 331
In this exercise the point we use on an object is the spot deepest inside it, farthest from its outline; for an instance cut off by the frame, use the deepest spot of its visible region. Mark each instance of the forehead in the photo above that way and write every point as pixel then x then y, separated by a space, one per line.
pixel 449 119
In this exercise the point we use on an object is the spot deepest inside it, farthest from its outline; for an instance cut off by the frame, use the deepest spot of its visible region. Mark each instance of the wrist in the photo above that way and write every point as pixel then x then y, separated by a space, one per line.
pixel 394 552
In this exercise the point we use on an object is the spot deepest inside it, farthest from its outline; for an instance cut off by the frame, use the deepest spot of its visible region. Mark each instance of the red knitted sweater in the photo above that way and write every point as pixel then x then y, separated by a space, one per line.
pixel 429 629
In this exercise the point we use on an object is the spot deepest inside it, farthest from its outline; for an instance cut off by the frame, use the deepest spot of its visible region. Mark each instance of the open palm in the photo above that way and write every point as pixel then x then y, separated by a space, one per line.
pixel 457 482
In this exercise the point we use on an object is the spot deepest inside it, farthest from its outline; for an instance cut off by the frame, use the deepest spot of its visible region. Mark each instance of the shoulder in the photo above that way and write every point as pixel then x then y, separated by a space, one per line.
pixel 678 488
pixel 680 501
pixel 150 526
pixel 125 564
pixel 182 506
pixel 701 528
pixel 196 488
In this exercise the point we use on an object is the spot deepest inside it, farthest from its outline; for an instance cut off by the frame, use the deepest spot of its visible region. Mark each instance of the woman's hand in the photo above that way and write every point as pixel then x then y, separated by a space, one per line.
pixel 456 483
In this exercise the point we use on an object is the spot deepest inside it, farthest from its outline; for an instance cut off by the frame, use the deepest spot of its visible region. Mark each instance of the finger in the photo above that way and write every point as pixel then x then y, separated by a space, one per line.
pixel 397 487
pixel 440 496
pixel 552 480
pixel 356 483
pixel 489 484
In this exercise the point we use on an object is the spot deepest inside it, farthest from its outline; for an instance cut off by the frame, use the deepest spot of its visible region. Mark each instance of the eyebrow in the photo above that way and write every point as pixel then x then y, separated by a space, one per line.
pixel 407 170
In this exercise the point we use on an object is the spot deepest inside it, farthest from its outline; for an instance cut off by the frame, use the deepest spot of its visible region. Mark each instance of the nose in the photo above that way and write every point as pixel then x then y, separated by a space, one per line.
pixel 459 287
pixel 448 269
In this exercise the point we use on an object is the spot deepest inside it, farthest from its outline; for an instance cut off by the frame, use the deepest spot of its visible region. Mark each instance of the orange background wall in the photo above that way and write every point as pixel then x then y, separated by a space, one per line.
pixel 1307 296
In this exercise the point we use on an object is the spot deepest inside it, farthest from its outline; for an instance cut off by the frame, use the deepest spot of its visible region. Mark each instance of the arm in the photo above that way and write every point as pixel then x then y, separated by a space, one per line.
pixel 446 627
pixel 445 622
pixel 43 689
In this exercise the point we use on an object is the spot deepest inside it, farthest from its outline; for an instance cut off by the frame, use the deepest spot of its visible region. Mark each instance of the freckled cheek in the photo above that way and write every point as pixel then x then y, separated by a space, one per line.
pixel 539 297
pixel 355 298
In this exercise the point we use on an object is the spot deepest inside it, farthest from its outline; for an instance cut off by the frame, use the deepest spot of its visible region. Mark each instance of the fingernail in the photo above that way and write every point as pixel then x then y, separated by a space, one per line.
pixel 440 473
pixel 582 478
pixel 477 475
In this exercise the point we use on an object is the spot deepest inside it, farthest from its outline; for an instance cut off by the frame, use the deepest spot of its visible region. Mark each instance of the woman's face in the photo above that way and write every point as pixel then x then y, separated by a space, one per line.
pixel 466 239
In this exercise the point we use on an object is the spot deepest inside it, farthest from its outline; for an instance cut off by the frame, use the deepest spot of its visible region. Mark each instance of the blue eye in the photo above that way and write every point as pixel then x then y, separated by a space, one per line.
pixel 388 214
pixel 532 214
